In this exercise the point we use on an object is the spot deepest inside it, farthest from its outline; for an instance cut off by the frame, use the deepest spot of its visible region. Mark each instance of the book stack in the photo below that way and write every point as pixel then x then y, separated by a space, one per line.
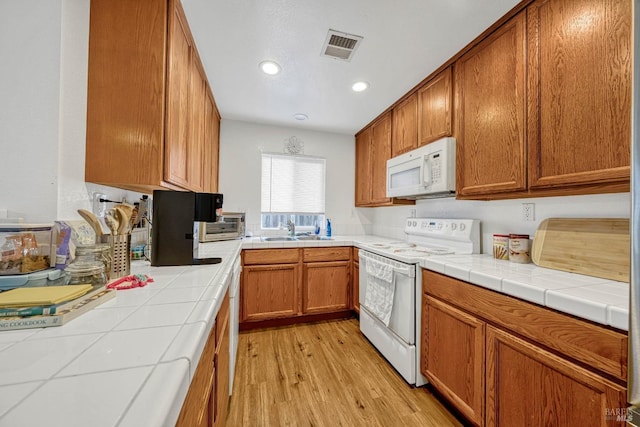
pixel 42 307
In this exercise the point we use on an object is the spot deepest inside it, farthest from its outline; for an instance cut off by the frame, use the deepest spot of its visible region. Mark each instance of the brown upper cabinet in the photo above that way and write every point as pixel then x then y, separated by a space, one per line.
pixel 373 149
pixel 579 92
pixel 491 113
pixel 543 103
pixel 435 108
pixel 425 116
pixel 152 122
pixel 539 104
pixel 405 126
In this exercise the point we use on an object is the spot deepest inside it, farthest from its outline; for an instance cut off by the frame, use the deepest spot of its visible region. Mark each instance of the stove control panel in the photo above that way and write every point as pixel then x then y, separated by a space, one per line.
pixel 455 229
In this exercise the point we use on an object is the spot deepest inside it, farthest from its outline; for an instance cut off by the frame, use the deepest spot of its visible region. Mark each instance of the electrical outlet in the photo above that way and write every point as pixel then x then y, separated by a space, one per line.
pixel 528 212
pixel 412 212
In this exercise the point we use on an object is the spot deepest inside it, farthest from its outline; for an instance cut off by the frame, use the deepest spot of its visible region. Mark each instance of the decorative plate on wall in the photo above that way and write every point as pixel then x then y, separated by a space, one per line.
pixel 293 146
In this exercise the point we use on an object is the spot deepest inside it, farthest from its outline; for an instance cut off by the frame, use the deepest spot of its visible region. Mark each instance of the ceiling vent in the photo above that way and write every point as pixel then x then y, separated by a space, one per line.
pixel 340 45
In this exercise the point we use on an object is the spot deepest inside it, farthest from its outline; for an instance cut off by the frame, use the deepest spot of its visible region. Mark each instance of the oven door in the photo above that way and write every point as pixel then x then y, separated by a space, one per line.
pixel 402 318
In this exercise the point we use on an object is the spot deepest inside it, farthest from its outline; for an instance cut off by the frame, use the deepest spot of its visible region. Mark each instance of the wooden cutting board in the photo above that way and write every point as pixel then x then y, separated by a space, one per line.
pixel 593 246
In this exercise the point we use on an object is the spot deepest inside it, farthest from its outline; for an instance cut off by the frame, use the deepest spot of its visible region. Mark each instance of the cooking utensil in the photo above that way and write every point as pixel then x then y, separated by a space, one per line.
pixel 126 208
pixel 593 246
pixel 112 221
pixel 123 220
pixel 93 222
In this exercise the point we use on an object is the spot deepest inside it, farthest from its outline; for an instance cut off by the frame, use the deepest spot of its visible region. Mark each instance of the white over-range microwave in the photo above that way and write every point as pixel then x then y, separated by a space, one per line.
pixel 426 172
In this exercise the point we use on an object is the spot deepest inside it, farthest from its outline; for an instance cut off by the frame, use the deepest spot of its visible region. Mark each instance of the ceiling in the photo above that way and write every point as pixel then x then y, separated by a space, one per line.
pixel 404 41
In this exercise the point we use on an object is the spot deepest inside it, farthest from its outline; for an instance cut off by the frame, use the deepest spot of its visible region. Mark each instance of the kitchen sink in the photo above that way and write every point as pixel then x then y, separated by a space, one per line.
pixel 289 239
pixel 310 237
pixel 278 239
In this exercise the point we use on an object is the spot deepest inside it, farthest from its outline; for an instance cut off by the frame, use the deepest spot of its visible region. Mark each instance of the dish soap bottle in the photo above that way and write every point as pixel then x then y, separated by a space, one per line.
pixel 328 227
pixel 317 230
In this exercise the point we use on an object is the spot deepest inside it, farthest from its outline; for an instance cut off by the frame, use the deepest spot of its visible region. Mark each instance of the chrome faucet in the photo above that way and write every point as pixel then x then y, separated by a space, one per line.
pixel 292 228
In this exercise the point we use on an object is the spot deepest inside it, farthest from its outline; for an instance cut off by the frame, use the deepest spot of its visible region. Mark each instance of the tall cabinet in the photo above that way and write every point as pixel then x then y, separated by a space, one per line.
pixel 152 122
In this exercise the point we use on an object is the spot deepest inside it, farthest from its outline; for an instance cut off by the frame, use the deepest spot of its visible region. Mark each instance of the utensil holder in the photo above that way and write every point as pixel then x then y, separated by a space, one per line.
pixel 120 256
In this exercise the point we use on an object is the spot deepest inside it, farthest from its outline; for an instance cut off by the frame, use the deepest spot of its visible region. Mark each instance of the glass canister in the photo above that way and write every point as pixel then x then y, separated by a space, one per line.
pixel 81 272
pixel 99 251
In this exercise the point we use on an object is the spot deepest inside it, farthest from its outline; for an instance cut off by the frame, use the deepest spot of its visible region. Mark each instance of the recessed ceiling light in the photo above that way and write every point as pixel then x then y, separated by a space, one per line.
pixel 270 67
pixel 300 116
pixel 360 86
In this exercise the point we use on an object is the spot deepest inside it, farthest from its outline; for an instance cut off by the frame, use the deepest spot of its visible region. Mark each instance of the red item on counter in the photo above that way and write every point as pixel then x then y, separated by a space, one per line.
pixel 129 282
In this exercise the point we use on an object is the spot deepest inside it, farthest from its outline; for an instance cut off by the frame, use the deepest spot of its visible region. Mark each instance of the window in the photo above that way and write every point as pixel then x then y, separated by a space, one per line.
pixel 292 189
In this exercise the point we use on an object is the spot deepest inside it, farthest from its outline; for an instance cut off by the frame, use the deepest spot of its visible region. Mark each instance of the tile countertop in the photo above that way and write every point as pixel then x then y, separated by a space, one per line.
pixel 599 300
pixel 128 362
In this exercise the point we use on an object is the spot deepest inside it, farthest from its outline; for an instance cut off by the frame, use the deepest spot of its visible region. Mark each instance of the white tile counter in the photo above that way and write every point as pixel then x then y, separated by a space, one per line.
pixel 128 362
pixel 258 243
pixel 599 300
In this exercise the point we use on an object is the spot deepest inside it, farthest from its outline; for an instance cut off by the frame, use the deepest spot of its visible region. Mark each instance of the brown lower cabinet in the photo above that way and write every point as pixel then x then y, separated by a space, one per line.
pixel 207 400
pixel 290 283
pixel 501 361
pixel 529 386
pixel 355 289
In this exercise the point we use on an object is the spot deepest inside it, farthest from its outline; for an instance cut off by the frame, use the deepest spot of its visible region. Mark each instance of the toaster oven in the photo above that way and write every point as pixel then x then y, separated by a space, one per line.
pixel 229 226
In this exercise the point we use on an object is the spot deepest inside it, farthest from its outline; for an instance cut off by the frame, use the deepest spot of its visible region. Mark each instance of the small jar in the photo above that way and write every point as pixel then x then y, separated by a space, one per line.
pixel 90 272
pixel 501 246
pixel 98 252
pixel 519 248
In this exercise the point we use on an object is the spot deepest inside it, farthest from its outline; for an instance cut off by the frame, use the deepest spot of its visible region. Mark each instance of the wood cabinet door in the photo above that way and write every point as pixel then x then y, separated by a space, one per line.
pixel 211 144
pixel 435 108
pixel 221 396
pixel 405 126
pixel 363 168
pixel 196 408
pixel 125 125
pixel 197 111
pixel 326 286
pixel 355 287
pixel 528 386
pixel 269 291
pixel 380 153
pixel 580 92
pixel 490 113
pixel 176 149
pixel 453 356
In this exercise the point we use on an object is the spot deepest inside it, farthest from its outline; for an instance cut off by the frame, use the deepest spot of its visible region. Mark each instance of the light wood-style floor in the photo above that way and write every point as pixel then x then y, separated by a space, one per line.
pixel 324 374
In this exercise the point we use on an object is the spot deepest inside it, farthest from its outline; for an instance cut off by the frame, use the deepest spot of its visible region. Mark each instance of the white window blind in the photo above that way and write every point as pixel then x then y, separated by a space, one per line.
pixel 292 184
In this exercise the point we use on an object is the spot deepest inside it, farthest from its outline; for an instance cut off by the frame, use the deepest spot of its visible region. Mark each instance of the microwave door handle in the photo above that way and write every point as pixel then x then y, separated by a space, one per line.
pixel 426 171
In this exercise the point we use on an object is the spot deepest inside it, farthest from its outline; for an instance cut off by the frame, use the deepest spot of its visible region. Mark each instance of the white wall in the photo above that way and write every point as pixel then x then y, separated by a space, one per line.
pixel 241 145
pixel 29 106
pixel 500 216
pixel 43 103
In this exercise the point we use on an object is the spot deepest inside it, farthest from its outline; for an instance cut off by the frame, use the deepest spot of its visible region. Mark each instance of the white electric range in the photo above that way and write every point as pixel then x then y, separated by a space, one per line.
pixel 391 286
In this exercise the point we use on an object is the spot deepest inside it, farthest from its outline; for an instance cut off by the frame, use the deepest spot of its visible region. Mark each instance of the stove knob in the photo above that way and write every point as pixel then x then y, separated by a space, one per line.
pixel 409 223
pixel 453 226
pixel 415 223
pixel 462 226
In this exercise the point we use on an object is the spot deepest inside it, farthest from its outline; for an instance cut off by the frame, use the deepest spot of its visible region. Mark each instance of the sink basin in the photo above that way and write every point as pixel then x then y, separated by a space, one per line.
pixel 311 237
pixel 314 237
pixel 293 239
pixel 278 239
